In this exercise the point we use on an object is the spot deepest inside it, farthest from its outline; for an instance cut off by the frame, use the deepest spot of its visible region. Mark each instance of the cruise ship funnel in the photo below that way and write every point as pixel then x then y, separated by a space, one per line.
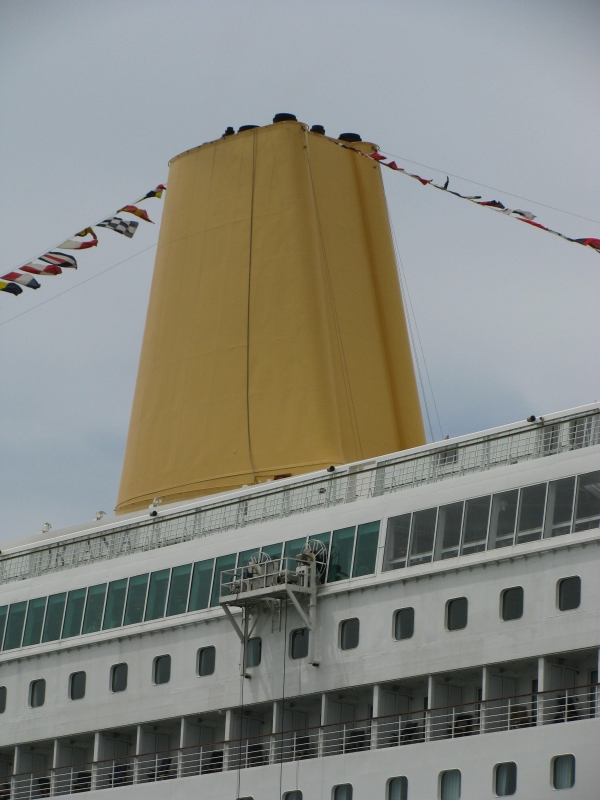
pixel 276 341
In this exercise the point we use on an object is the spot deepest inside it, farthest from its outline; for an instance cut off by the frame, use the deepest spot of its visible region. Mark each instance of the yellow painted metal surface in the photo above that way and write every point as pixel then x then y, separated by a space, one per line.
pixel 275 341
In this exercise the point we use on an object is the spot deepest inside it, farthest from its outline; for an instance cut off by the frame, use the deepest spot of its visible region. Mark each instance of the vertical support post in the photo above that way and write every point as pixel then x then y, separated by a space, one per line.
pixel 16 771
pixel 96 758
pixel 377 701
pixel 594 691
pixel 430 704
pixel 139 744
pixel 276 728
pixel 245 642
pixel 312 615
pixel 226 745
pixel 55 763
pixel 321 745
pixel 485 683
pixel 182 742
pixel 541 688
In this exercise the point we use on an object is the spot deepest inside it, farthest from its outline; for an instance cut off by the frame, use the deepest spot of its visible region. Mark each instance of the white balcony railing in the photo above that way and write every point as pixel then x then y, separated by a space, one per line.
pixel 396 730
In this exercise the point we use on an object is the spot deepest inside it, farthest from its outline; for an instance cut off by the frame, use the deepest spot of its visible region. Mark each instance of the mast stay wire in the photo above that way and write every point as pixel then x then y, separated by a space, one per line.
pixel 492 188
pixel 411 313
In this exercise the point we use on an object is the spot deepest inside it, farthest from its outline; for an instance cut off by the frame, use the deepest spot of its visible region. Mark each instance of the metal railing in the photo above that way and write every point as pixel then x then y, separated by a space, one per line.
pixel 395 730
pixel 271 574
pixel 436 463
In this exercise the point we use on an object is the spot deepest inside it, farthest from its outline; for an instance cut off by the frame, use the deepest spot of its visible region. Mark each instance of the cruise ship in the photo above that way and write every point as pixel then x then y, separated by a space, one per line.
pixel 299 598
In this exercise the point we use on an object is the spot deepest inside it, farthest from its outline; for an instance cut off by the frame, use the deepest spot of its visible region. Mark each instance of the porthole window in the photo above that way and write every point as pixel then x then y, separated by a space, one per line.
pixel 404 623
pixel 563 772
pixel 254 652
pixel 299 643
pixel 206 661
pixel 161 672
pixel 342 792
pixel 118 678
pixel 397 788
pixel 2 699
pixel 505 779
pixel 297 795
pixel 77 686
pixel 569 593
pixel 349 635
pixel 512 603
pixel 37 693
pixel 457 613
pixel 450 784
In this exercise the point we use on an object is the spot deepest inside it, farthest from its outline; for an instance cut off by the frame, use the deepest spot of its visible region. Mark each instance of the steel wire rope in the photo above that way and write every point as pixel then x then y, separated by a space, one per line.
pixel 356 430
pixel 404 285
pixel 492 188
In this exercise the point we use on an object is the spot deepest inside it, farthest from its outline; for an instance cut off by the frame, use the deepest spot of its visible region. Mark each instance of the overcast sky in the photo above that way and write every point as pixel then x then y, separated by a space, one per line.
pixel 96 96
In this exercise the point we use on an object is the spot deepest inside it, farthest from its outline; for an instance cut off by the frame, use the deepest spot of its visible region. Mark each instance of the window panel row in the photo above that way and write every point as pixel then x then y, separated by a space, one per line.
pixel 493 521
pixel 167 592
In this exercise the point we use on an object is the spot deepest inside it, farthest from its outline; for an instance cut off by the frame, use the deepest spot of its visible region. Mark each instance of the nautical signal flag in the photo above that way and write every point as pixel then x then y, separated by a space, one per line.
pixel 139 212
pixel 41 269
pixel 124 226
pixel 154 193
pixel 71 244
pixel 10 287
pixel 60 259
pixel 24 280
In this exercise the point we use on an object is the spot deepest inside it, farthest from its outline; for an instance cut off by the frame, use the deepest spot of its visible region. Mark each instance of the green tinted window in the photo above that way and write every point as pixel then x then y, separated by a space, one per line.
pixel 178 592
pixel 223 563
pixel 365 556
pixel 115 603
pixel 94 608
pixel 245 556
pixel 14 627
pixel 340 560
pixel 136 599
pixel 273 550
pixel 3 611
pixel 54 617
pixel 201 581
pixel 157 594
pixel 74 613
pixel 35 620
pixel 294 548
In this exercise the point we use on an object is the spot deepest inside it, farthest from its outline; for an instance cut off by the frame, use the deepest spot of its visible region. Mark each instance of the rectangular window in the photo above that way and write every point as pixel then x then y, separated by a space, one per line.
pixel 136 599
pixel 294 548
pixel 587 515
pixel 74 613
pixel 245 556
pixel 201 581
pixel 477 512
pixel 273 550
pixel 54 617
pixel 3 613
pixel 398 789
pixel 457 611
pixel 254 652
pixel 559 508
pixel 367 539
pixel 449 526
pixel 14 627
pixel 115 604
pixel 2 699
pixel 423 533
pixel 503 519
pixel 531 513
pixel 157 594
pixel 396 542
pixel 563 772
pixel 450 785
pixel 223 564
pixel 404 623
pixel 94 608
pixel 179 590
pixel 35 621
pixel 340 560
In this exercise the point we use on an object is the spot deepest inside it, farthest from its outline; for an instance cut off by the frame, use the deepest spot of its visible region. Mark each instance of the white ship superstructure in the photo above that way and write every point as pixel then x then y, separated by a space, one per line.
pixel 425 624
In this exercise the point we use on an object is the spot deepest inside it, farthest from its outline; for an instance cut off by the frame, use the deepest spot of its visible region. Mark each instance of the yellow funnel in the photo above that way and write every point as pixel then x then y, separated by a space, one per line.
pixel 275 341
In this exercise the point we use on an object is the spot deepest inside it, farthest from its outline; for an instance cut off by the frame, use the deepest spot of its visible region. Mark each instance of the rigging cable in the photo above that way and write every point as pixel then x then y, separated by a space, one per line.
pixel 411 312
pixel 493 188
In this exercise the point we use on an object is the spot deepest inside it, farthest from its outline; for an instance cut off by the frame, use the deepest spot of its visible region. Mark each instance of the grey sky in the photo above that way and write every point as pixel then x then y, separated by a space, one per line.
pixel 95 98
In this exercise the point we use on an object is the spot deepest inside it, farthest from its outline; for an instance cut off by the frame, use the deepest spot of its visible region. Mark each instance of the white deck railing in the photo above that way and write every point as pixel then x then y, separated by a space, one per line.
pixel 396 730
